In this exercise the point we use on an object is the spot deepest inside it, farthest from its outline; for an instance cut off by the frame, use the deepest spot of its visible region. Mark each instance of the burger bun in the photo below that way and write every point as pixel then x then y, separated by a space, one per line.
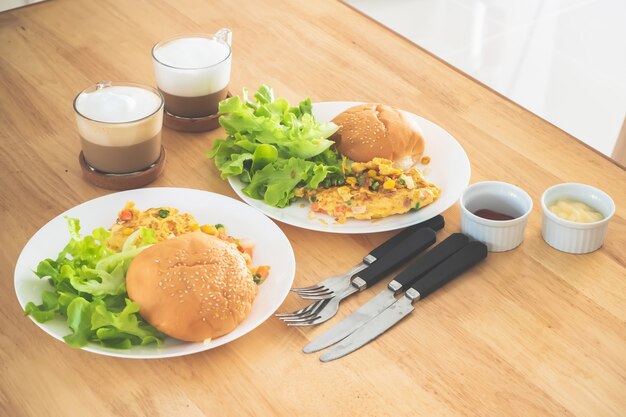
pixel 375 130
pixel 193 287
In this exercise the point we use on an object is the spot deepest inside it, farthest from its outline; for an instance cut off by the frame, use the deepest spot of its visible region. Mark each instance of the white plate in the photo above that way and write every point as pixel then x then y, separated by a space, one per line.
pixel 272 248
pixel 449 169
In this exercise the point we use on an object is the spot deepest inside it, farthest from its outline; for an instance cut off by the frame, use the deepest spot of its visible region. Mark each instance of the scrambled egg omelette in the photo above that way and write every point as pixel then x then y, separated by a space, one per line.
pixel 373 190
pixel 169 222
pixel 165 221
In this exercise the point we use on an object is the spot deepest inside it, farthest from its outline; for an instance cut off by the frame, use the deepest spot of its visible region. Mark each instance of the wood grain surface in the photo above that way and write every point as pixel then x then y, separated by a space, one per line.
pixel 531 332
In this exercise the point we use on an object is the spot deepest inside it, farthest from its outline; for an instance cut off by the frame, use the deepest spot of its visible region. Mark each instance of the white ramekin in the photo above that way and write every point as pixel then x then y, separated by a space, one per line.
pixel 572 237
pixel 498 235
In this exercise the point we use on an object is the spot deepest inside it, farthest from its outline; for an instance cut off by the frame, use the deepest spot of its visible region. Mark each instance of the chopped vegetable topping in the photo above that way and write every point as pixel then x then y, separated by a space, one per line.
pixel 389 184
pixel 126 215
pixel 208 229
pixel 163 213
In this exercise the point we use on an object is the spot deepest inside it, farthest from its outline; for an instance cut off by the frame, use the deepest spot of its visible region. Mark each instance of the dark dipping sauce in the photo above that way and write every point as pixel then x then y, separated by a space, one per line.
pixel 492 215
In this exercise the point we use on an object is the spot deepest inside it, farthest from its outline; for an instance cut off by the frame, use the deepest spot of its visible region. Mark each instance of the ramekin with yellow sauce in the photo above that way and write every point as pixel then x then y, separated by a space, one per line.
pixel 575 217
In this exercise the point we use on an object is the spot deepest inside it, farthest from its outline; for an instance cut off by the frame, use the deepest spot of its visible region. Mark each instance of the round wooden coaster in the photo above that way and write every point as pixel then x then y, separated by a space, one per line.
pixel 197 124
pixel 122 181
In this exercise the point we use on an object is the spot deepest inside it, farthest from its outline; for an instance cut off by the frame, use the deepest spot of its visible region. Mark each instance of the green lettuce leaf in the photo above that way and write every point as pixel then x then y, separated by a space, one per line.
pixel 47 310
pixel 79 314
pixel 275 183
pixel 88 283
pixel 274 147
pixel 110 326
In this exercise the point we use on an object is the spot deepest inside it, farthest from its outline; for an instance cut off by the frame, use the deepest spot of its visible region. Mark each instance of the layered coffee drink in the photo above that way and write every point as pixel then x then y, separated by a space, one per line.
pixel 119 126
pixel 193 72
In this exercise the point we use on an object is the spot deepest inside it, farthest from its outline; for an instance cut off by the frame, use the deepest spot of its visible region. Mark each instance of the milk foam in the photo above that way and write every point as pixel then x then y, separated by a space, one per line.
pixel 192 67
pixel 117 104
pixel 123 115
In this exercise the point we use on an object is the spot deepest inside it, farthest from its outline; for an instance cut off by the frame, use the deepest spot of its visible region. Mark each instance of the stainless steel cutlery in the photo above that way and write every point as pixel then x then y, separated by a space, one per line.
pixel 415 270
pixel 422 276
pixel 336 284
pixel 447 270
pixel 412 244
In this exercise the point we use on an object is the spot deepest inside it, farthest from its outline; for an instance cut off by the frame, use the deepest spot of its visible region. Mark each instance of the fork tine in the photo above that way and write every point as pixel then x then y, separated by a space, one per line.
pixel 319 291
pixel 303 291
pixel 302 311
pixel 306 315
pixel 310 287
pixel 306 323
pixel 309 317
pixel 309 314
pixel 323 313
pixel 294 313
pixel 320 296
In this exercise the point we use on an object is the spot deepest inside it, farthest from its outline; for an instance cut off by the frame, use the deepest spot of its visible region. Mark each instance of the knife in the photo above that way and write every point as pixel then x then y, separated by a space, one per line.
pixel 415 270
pixel 456 264
pixel 411 246
pixel 343 281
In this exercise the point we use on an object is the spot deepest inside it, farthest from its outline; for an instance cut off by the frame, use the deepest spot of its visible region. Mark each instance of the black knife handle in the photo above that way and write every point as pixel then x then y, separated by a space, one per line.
pixel 427 261
pixel 436 223
pixel 452 267
pixel 410 246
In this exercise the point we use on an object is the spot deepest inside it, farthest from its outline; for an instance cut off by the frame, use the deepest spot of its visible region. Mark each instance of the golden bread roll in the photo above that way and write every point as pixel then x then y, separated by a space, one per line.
pixel 375 130
pixel 193 287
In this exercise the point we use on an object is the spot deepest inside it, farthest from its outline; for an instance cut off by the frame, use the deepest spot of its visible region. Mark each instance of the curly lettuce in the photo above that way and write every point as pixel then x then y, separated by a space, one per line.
pixel 88 289
pixel 275 148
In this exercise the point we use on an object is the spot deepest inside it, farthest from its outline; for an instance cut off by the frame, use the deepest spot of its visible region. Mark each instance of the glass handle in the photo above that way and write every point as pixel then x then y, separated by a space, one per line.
pixel 103 84
pixel 225 35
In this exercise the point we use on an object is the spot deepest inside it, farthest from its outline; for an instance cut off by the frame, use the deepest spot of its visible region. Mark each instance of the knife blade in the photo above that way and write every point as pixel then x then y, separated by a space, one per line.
pixel 415 270
pixel 456 264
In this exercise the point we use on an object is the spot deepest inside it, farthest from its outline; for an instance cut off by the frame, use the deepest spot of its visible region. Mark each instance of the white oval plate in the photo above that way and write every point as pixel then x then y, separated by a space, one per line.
pixel 242 221
pixel 449 169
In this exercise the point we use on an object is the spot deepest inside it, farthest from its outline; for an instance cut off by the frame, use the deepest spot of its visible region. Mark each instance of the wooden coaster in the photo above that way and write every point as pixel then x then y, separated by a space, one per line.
pixel 197 124
pixel 122 181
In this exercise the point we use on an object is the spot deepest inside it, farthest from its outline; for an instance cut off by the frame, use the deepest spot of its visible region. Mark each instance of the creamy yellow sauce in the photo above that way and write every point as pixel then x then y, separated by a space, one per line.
pixel 575 211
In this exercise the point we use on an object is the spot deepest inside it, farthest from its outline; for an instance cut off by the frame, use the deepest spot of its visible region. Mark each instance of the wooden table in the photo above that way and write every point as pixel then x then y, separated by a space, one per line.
pixel 529 332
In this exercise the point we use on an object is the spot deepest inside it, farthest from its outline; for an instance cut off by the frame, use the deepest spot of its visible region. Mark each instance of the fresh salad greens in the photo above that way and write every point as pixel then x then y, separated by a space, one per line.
pixel 274 148
pixel 89 290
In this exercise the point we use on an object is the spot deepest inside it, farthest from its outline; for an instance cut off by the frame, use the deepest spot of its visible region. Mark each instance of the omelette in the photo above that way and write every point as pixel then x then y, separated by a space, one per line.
pixel 373 190
pixel 165 221
pixel 169 222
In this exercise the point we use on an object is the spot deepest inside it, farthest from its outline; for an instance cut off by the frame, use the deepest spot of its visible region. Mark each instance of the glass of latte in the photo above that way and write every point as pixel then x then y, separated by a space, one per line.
pixel 192 72
pixel 119 124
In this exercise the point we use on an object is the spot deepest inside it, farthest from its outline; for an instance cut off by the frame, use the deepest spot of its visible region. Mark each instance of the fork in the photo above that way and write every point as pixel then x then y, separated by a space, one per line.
pixel 312 308
pixel 323 310
pixel 335 284
pixel 328 287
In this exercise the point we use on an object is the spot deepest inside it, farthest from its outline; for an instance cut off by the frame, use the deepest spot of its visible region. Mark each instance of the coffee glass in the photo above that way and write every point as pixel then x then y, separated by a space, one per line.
pixel 192 72
pixel 119 124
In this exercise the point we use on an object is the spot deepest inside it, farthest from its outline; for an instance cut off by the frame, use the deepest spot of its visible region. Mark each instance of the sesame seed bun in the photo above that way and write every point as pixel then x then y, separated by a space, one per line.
pixel 193 287
pixel 375 130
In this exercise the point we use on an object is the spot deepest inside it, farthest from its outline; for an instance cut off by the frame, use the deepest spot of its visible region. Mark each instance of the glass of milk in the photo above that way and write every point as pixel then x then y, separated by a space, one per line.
pixel 192 72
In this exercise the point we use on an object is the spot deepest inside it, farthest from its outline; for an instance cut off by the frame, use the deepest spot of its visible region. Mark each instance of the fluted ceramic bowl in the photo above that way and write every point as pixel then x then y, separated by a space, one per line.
pixel 501 197
pixel 569 236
